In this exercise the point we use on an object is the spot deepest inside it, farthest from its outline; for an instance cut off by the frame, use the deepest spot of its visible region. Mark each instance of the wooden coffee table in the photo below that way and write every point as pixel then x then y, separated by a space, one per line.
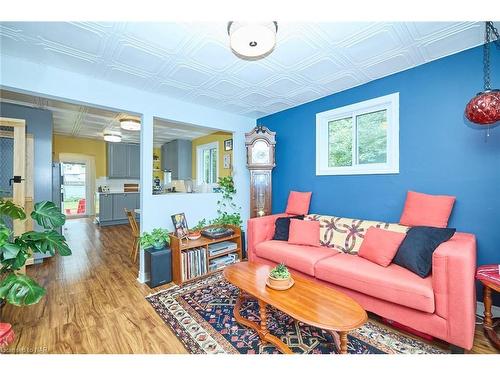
pixel 307 301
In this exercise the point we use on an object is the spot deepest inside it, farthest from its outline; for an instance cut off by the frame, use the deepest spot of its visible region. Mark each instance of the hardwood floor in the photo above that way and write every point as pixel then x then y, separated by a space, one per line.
pixel 94 303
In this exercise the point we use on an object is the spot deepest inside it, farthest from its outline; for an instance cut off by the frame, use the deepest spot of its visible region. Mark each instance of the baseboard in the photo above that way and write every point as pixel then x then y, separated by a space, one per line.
pixel 495 310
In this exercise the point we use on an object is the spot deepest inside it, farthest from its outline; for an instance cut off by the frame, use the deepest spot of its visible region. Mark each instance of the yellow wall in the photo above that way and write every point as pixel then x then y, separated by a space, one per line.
pixel 86 146
pixel 214 137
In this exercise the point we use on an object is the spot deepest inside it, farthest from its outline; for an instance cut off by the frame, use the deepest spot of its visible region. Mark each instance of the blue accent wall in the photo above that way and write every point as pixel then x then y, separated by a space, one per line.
pixel 440 151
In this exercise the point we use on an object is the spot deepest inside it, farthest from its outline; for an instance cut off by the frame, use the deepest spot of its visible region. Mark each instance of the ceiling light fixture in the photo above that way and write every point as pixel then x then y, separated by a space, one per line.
pixel 130 124
pixel 112 137
pixel 252 41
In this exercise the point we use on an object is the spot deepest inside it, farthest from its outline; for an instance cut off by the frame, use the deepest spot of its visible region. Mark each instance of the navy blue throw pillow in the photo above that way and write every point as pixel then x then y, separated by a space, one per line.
pixel 415 252
pixel 282 227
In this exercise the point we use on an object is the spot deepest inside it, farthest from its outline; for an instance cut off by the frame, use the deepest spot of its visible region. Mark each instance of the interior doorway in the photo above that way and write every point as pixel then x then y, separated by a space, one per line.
pixel 74 190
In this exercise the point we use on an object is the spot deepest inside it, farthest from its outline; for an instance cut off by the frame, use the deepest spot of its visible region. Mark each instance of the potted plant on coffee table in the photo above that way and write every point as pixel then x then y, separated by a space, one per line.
pixel 156 239
pixel 279 278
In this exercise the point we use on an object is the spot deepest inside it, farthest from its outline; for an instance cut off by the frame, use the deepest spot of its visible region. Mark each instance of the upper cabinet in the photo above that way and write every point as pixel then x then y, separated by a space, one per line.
pixel 176 156
pixel 124 160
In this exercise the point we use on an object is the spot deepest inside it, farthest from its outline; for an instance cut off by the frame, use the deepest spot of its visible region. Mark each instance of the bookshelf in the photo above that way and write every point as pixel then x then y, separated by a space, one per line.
pixel 179 248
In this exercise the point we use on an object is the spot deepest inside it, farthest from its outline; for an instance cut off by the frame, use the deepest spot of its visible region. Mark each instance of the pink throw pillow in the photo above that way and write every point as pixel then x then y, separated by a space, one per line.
pixel 380 246
pixel 304 232
pixel 298 203
pixel 427 210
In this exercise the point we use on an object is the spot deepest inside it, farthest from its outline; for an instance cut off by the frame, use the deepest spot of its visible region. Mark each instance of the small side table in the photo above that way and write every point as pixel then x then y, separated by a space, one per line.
pixel 489 276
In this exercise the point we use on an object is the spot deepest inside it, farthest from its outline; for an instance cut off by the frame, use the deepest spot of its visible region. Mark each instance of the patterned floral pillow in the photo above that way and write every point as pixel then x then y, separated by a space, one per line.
pixel 346 235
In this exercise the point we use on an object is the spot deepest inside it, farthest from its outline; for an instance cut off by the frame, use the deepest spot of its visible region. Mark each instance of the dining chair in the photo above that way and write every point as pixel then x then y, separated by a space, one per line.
pixel 135 232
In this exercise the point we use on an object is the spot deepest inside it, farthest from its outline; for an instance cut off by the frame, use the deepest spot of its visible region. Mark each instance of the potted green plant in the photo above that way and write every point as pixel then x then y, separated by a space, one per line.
pixel 228 212
pixel 279 277
pixel 17 288
pixel 156 239
pixel 195 232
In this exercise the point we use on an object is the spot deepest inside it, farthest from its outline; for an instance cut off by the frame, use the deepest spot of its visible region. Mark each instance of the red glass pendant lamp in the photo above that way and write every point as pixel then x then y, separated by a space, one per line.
pixel 484 108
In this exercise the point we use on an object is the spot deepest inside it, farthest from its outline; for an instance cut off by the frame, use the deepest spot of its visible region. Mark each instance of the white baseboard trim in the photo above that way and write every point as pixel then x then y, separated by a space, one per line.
pixel 495 310
pixel 143 277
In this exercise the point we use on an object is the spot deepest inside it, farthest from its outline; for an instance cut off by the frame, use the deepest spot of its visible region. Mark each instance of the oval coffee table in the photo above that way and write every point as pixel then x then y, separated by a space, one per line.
pixel 307 301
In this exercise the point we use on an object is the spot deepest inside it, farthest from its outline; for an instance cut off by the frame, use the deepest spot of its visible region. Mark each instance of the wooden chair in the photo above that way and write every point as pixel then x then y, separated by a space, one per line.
pixel 135 232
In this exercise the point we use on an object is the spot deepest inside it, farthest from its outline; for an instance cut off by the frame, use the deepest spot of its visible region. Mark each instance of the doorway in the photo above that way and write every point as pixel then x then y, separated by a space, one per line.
pixel 74 189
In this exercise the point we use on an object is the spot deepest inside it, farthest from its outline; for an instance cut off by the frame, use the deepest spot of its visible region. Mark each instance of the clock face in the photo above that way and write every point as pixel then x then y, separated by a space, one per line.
pixel 261 153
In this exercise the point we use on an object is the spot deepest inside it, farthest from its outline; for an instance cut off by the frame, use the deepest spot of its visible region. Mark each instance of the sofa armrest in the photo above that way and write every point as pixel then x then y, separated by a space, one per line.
pixel 453 271
pixel 260 229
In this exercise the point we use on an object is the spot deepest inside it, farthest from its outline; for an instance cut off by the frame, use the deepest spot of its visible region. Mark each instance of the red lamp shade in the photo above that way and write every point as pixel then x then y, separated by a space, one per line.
pixel 484 108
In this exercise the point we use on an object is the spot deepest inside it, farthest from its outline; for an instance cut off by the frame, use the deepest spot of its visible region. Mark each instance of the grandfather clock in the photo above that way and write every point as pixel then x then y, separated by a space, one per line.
pixel 260 144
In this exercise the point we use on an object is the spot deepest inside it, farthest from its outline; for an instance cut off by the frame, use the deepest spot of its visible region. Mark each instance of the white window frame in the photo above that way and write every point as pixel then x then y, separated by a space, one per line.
pixel 199 161
pixel 391 166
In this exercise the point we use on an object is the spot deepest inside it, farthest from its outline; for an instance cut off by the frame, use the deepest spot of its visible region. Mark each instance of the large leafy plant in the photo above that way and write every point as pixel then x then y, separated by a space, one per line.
pixel 157 237
pixel 16 288
pixel 228 211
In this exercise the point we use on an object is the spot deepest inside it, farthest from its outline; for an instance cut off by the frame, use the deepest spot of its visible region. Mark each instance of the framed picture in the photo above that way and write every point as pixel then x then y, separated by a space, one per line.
pixel 180 225
pixel 228 144
pixel 227 161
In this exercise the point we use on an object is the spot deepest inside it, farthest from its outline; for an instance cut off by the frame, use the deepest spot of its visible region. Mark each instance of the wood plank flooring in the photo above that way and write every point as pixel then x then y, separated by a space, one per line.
pixel 94 303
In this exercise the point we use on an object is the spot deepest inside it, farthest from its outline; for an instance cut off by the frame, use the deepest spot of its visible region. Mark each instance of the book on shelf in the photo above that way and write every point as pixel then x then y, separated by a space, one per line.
pixel 221 262
pixel 193 263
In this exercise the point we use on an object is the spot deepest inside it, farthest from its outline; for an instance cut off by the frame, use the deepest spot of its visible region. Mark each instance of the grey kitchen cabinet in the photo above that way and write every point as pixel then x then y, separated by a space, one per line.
pixel 112 207
pixel 105 207
pixel 122 201
pixel 176 156
pixel 134 161
pixel 124 160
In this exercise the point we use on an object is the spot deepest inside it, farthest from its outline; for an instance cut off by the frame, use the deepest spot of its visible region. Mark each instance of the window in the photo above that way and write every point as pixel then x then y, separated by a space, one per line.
pixel 361 138
pixel 207 163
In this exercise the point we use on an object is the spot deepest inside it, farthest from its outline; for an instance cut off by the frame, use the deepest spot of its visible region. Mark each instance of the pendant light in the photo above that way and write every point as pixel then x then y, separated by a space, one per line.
pixel 130 124
pixel 252 41
pixel 484 108
pixel 112 137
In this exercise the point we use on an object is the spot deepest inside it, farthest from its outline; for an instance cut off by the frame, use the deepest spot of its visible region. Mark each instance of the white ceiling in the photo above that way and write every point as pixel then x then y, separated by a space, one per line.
pixel 89 122
pixel 192 61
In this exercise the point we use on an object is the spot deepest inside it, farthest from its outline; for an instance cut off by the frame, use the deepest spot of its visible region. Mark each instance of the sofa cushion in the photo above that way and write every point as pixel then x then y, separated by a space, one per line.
pixel 282 227
pixel 304 233
pixel 346 235
pixel 380 246
pixel 427 210
pixel 298 203
pixel 301 258
pixel 393 283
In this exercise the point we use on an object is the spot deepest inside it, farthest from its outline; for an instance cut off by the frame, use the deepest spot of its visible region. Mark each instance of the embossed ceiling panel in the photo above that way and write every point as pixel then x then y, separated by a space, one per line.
pixel 193 62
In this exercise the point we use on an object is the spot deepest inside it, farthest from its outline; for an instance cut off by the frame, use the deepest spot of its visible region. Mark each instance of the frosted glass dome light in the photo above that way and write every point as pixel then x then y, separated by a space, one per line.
pixel 252 41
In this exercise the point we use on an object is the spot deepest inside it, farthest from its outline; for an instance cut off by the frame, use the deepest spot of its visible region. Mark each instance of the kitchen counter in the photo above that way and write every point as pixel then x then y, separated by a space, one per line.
pixel 110 206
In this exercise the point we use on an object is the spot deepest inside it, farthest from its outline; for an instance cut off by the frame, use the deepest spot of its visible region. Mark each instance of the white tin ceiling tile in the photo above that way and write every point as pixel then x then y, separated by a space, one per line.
pixel 254 114
pixel 373 45
pixel 284 86
pixel 341 82
pixel 174 91
pixel 338 32
pixel 253 72
pixel 213 55
pixel 288 53
pixel 139 58
pixel 188 75
pixel 126 76
pixel 305 96
pixel 388 66
pixel 165 35
pixel 446 45
pixel 226 88
pixel 255 98
pixel 421 30
pixel 320 69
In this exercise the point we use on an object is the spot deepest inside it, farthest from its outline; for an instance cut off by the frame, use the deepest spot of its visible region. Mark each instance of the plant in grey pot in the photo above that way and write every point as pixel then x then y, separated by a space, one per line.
pixel 156 239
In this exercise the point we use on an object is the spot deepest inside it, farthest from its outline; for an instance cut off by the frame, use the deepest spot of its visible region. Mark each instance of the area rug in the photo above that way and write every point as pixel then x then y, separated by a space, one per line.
pixel 201 316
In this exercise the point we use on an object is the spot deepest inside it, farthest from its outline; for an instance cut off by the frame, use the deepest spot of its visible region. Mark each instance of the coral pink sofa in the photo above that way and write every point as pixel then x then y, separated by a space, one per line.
pixel 442 305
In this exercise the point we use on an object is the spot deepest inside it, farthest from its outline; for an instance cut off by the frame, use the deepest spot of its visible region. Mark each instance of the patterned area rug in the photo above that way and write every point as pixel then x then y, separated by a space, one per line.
pixel 201 316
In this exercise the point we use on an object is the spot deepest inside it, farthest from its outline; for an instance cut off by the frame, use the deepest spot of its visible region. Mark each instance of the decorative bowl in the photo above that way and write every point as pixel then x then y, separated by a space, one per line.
pixel 194 235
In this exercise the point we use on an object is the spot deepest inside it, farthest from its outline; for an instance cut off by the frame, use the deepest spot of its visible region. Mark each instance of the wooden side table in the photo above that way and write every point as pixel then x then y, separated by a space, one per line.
pixel 489 276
